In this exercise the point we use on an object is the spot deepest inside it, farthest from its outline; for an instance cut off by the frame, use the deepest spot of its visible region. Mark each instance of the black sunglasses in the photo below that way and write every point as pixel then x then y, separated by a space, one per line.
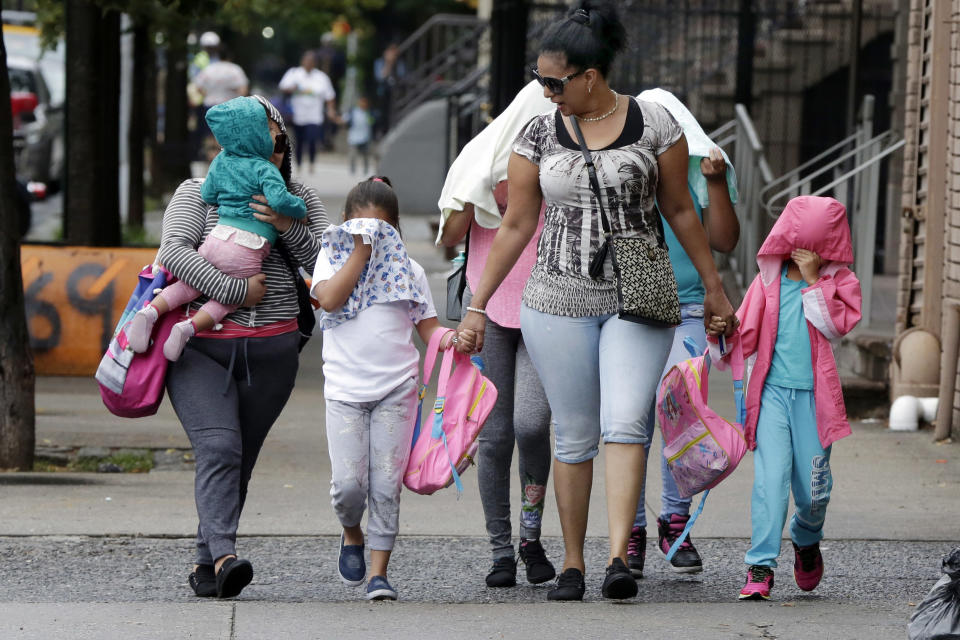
pixel 281 143
pixel 555 85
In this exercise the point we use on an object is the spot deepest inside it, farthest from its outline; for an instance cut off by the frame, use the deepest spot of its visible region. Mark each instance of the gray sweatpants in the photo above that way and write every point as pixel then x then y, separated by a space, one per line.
pixel 369 444
pixel 521 415
pixel 227 394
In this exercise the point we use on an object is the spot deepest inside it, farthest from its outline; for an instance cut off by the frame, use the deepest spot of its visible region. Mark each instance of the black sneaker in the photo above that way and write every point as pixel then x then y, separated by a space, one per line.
pixel 539 569
pixel 570 586
pixel 203 581
pixel 686 559
pixel 503 573
pixel 637 551
pixel 619 584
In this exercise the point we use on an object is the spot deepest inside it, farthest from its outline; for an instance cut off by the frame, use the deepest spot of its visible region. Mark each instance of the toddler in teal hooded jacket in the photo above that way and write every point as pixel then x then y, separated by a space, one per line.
pixel 239 242
pixel 243 168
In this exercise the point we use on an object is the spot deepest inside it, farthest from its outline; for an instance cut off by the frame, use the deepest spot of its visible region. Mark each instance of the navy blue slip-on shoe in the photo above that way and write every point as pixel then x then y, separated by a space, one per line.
pixel 379 589
pixel 350 564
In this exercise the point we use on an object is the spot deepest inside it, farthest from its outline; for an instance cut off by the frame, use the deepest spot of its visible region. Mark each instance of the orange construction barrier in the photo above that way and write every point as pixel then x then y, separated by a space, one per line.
pixel 74 297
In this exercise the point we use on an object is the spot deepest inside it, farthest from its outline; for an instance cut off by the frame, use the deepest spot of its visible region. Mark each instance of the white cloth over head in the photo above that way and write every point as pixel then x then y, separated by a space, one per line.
pixel 483 162
pixel 699 144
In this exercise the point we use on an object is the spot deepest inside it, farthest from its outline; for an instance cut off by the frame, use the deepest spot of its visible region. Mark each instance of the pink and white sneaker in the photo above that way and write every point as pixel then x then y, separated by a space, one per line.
pixel 807 566
pixel 759 583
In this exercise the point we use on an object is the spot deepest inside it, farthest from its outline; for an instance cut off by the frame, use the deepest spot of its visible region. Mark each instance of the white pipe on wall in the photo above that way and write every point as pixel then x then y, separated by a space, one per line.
pixel 907 411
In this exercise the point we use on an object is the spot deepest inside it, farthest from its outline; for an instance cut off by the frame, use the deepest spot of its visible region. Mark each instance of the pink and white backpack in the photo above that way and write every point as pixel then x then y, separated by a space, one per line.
pixel 464 400
pixel 132 384
pixel 701 447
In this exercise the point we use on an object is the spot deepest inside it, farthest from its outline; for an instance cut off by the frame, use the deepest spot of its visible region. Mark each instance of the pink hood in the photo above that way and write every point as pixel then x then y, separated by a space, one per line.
pixel 808 222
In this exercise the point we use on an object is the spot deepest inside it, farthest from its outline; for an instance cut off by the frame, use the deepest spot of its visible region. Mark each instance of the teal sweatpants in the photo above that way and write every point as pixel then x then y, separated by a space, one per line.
pixel 788 456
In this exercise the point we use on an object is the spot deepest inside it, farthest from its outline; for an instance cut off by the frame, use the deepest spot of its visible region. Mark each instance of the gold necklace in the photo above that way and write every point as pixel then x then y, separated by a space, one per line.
pixel 616 105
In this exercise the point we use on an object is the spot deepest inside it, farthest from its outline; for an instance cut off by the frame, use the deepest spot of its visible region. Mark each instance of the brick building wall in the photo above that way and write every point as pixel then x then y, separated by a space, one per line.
pixel 929 285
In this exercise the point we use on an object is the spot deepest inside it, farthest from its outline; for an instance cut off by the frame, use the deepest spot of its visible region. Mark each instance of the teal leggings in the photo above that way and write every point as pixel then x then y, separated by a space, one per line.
pixel 788 455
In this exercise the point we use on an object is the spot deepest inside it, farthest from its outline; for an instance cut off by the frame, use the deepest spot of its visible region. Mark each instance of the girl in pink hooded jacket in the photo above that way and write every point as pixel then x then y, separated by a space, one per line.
pixel 804 296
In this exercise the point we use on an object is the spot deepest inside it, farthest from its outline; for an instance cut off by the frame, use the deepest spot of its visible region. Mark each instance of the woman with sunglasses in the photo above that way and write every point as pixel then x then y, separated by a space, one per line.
pixel 599 372
pixel 229 385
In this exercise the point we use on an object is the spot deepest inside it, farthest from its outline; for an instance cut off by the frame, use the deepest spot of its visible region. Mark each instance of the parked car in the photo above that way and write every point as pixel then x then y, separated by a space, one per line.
pixel 37 91
pixel 37 124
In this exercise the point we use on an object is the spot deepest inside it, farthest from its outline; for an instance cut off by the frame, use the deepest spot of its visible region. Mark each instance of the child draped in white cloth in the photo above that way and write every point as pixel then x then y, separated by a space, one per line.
pixel 372 296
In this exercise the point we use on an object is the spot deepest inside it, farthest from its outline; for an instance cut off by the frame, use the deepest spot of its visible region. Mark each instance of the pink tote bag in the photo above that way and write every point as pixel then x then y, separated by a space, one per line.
pixel 132 384
pixel 448 446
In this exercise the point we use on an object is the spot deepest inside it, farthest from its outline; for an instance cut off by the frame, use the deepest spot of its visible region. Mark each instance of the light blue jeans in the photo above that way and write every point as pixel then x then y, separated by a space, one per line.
pixel 691 326
pixel 788 455
pixel 600 374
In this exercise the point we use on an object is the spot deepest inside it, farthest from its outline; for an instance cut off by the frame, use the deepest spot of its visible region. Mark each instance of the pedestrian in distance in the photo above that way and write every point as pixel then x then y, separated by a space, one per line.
pixel 217 82
pixel 372 297
pixel 360 133
pixel 312 100
pixel 599 371
pixel 712 185
pixel 804 296
pixel 473 200
pixel 229 386
pixel 239 242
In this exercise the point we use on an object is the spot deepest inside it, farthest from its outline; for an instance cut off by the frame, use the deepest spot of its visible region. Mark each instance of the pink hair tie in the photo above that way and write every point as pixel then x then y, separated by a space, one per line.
pixel 378 180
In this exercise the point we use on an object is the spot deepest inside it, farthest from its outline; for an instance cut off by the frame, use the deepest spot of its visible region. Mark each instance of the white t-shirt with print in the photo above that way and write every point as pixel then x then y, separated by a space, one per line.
pixel 367 357
pixel 311 91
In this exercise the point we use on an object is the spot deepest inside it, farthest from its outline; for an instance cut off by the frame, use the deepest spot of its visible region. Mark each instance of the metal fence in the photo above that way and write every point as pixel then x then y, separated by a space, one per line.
pixel 798 70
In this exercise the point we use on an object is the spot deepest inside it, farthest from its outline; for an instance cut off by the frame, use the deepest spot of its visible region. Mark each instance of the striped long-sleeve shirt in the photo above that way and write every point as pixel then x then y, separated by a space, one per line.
pixel 188 220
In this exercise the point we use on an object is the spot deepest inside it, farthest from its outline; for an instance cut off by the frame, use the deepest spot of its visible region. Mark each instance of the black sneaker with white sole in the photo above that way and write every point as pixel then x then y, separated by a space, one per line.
pixel 687 558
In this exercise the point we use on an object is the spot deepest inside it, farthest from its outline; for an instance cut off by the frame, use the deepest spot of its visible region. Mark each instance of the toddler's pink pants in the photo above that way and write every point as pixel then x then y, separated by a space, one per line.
pixel 230 258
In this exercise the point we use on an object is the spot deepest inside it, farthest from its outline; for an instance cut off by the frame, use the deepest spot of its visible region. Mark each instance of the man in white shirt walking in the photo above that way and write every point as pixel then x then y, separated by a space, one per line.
pixel 312 99
pixel 217 82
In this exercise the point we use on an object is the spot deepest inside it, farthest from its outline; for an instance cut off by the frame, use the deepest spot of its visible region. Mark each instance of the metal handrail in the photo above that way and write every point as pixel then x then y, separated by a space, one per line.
pixel 440 19
pixel 862 167
pixel 743 117
pixel 445 45
pixel 813 161
pixel 883 138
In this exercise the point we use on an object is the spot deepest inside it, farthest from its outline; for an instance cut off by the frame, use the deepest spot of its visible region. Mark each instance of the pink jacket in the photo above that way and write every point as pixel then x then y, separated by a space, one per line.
pixel 831 306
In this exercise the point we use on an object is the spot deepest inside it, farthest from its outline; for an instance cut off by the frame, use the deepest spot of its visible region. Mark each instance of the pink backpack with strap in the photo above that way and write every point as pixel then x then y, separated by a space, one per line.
pixel 464 400
pixel 700 446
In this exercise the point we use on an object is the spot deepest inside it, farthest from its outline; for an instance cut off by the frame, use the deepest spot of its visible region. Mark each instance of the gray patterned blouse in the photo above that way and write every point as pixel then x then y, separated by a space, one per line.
pixel 560 283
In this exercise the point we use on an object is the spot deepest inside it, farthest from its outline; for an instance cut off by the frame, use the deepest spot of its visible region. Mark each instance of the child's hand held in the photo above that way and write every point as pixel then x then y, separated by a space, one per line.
pixel 717 326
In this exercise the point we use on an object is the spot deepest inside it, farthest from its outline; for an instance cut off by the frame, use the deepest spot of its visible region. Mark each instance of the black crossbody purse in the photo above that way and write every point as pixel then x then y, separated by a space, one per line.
pixel 306 320
pixel 646 286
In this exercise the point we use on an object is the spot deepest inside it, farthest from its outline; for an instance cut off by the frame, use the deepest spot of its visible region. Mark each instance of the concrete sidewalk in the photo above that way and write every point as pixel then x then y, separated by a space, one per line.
pixel 106 555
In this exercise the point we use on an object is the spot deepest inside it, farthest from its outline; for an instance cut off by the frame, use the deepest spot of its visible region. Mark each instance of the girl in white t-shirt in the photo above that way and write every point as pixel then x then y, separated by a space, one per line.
pixel 372 296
